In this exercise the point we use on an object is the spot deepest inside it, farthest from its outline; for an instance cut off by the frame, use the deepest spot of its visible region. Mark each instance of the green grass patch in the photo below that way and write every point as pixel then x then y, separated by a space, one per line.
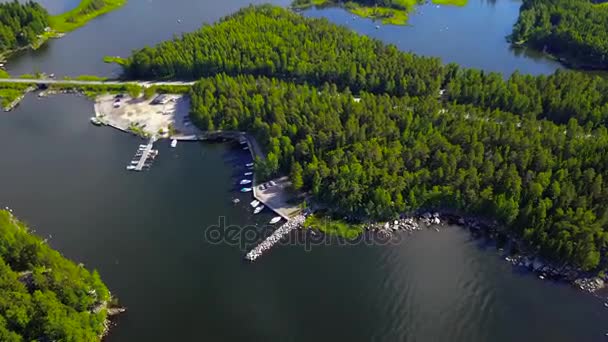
pixel 83 13
pixel 9 92
pixel 114 59
pixel 4 74
pixel 8 95
pixel 334 227
pixel 302 4
pixel 390 16
pixel 459 3
pixel 92 78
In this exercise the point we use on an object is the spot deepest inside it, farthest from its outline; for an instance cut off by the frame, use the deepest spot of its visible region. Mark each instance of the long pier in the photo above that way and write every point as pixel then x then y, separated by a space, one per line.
pixel 144 155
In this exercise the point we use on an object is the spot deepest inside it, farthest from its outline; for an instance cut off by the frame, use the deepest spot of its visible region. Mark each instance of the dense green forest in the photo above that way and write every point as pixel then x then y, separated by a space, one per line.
pixel 273 42
pixel 529 151
pixel 574 29
pixel 43 296
pixel 380 156
pixel 20 24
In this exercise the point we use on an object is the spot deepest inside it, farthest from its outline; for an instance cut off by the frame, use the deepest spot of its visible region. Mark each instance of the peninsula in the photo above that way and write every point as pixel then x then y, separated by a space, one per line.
pixel 44 296
pixel 373 133
pixel 574 31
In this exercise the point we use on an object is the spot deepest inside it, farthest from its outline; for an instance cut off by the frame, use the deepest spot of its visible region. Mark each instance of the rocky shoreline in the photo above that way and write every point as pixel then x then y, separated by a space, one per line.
pixel 524 259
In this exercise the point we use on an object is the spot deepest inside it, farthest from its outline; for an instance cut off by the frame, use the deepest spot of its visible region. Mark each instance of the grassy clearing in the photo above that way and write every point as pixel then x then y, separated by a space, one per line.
pixel 4 74
pixel 459 3
pixel 334 227
pixel 87 78
pixel 389 16
pixel 115 59
pixel 84 12
pixel 9 92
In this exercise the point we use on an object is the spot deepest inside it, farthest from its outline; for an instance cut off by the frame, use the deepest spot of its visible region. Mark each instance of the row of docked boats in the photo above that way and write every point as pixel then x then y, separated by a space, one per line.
pixel 150 156
pixel 255 204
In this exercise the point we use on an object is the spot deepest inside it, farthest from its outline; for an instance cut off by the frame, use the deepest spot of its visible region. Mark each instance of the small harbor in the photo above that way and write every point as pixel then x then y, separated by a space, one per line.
pixel 144 156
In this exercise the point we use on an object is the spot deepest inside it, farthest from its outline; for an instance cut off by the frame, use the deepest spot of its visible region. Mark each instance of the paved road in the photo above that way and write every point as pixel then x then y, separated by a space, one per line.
pixel 77 82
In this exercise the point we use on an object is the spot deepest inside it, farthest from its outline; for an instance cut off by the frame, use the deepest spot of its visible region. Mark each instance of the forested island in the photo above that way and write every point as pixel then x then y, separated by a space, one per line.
pixel 21 24
pixel 576 31
pixel 29 24
pixel 44 296
pixel 362 127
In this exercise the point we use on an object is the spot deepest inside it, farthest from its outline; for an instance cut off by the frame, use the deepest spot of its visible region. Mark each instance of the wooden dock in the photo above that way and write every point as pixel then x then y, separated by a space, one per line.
pixel 144 155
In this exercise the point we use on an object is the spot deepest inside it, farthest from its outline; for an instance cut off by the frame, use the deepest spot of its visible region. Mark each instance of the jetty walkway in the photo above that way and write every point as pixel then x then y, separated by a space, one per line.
pixel 144 155
pixel 275 237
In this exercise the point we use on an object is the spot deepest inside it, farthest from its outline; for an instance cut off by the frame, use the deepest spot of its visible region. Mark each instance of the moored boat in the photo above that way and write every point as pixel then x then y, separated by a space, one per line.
pixel 257 210
pixel 95 121
pixel 173 143
pixel 255 203
pixel 245 181
pixel 248 173
pixel 249 164
pixel 275 219
pixel 246 189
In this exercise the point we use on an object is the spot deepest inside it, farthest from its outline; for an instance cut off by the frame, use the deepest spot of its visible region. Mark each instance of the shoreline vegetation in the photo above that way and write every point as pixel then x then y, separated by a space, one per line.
pixel 390 12
pixel 371 132
pixel 41 26
pixel 43 295
pixel 574 32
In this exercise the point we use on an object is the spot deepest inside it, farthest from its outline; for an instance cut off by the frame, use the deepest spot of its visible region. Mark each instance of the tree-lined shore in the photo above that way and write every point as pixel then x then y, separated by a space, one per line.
pixel 575 31
pixel 44 296
pixel 24 25
pixel 374 132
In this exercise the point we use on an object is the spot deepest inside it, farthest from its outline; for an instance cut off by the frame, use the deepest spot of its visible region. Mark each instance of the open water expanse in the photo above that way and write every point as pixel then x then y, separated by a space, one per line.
pixel 145 232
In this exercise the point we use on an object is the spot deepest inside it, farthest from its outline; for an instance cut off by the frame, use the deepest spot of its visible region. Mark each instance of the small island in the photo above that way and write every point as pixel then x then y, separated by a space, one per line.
pixel 393 12
pixel 43 295
pixel 29 25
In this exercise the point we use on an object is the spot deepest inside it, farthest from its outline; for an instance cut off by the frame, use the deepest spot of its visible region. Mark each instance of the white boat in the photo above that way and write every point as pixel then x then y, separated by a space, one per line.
pixel 246 189
pixel 95 121
pixel 249 164
pixel 134 162
pixel 245 181
pixel 173 143
pixel 275 219
pixel 236 200
pixel 248 173
pixel 255 203
pixel 257 210
pixel 130 167
pixel 245 148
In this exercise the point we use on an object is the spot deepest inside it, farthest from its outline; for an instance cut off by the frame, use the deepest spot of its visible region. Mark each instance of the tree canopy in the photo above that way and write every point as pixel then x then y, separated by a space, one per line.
pixel 274 42
pixel 20 24
pixel 574 29
pixel 43 296
pixel 378 156
pixel 374 132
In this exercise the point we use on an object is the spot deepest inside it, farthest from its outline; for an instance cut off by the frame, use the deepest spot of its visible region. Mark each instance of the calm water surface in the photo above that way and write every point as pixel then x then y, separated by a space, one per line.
pixel 145 231
pixel 473 36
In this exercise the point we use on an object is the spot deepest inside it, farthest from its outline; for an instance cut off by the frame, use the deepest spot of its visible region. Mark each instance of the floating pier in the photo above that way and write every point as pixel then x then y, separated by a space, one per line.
pixel 146 153
pixel 275 237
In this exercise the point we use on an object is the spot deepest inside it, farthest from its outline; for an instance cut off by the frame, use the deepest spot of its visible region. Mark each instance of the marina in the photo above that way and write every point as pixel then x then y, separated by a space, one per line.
pixel 144 156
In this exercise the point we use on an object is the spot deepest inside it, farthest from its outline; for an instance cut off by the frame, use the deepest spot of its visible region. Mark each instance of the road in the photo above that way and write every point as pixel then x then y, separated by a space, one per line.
pixel 77 82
